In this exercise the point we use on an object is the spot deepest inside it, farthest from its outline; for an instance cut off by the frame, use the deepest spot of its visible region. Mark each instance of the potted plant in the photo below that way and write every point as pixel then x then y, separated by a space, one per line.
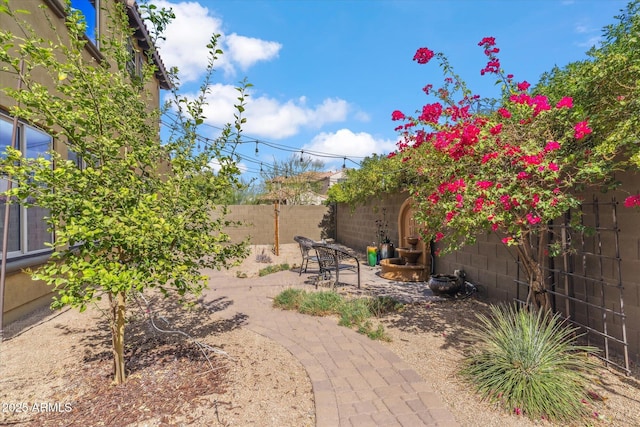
pixel 385 247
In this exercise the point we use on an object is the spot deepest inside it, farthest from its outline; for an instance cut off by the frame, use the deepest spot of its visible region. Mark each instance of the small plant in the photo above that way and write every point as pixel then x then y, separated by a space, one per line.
pixel 380 306
pixel 382 226
pixel 321 303
pixel 529 363
pixel 263 258
pixel 289 299
pixel 273 269
pixel 378 334
pixel 241 274
pixel 353 312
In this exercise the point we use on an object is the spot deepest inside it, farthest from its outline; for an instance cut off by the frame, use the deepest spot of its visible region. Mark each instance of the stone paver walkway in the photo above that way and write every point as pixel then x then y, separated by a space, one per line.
pixel 356 381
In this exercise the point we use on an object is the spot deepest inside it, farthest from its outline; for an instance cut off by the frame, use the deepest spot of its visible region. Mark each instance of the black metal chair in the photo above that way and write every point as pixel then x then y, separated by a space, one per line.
pixel 306 246
pixel 332 258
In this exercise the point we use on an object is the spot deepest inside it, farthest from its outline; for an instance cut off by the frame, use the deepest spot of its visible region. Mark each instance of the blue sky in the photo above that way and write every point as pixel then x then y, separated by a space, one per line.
pixel 328 74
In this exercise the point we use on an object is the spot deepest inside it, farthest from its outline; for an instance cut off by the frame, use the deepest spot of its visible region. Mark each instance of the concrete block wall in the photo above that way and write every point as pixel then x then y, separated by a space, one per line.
pixel 259 222
pixel 492 266
pixel 357 228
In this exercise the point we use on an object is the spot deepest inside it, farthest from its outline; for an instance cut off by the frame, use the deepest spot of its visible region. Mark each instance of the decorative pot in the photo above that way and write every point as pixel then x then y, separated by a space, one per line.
pixel 372 255
pixel 444 284
pixel 387 250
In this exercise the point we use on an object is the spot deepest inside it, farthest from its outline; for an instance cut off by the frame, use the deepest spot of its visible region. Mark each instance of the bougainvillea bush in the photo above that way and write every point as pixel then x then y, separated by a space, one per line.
pixel 510 166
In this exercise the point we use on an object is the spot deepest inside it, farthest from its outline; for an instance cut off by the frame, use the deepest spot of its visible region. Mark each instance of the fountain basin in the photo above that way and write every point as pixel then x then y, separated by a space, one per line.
pixel 396 269
pixel 409 256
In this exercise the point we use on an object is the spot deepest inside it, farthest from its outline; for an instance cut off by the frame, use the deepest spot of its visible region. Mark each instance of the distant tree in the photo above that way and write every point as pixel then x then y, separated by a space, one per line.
pixel 139 215
pixel 290 181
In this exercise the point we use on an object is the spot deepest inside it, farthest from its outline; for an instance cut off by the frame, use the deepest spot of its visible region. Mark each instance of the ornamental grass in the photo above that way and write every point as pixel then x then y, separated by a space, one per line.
pixel 529 363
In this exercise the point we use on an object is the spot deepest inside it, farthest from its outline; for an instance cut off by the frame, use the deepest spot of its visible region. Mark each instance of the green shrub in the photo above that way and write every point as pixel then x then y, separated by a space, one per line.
pixel 272 269
pixel 289 299
pixel 382 305
pixel 321 303
pixel 529 363
pixel 354 312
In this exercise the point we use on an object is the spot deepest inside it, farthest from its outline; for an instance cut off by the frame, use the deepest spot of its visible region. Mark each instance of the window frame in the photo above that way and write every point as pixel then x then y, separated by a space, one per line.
pixel 23 212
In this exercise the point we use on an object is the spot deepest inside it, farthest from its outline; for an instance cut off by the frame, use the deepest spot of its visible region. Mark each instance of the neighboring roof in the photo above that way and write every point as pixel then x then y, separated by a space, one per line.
pixel 144 40
pixel 308 176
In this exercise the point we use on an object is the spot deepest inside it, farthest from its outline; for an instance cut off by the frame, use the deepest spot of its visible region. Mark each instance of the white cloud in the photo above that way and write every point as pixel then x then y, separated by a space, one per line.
pixel 215 166
pixel 189 33
pixel 187 37
pixel 270 118
pixel 246 51
pixel 348 144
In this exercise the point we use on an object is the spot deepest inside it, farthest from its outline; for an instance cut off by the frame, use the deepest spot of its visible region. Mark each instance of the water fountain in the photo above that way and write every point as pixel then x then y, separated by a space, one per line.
pixel 406 267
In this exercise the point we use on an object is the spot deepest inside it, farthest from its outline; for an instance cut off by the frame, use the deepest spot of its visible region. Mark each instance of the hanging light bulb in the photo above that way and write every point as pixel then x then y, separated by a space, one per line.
pixel 344 163
pixel 257 148
pixel 301 156
pixel 260 166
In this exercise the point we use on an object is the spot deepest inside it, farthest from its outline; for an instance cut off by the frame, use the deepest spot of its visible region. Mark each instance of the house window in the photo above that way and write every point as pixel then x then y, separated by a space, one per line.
pixel 27 227
pixel 90 9
pixel 134 64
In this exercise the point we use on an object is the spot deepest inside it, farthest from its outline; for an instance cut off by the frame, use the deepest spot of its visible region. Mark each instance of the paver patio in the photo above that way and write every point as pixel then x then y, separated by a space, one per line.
pixel 356 381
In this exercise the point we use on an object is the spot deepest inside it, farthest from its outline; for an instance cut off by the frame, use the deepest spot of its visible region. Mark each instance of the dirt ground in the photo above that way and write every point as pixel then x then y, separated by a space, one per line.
pixel 55 369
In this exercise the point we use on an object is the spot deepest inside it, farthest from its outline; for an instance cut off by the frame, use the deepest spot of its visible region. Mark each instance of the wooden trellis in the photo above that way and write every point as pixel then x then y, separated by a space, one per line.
pixel 585 281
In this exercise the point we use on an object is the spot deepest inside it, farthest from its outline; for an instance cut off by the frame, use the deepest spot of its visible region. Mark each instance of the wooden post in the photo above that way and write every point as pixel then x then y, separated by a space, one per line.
pixel 276 209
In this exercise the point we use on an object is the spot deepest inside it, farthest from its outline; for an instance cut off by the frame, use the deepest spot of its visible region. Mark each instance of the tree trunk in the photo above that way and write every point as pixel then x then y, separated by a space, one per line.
pixel 118 306
pixel 537 296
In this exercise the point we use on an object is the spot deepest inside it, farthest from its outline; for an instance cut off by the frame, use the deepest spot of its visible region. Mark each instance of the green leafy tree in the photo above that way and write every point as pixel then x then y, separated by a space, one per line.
pixel 606 87
pixel 292 180
pixel 376 175
pixel 140 215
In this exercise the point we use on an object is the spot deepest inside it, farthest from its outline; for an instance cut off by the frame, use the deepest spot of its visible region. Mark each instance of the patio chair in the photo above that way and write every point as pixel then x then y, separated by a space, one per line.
pixel 332 258
pixel 306 246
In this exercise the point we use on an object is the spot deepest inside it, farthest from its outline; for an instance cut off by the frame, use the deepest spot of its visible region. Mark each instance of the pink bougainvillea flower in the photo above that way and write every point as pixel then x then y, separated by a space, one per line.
pixel 553 166
pixel 632 201
pixel 517 411
pixel 460 200
pixel 504 112
pixel 566 102
pixel 487 42
pixel 496 129
pixel 495 226
pixel 449 216
pixel 552 146
pixel 540 103
pixel 431 113
pixel 423 55
pixel 427 89
pixel 479 203
pixel 533 219
pixel 523 86
pixel 506 240
pixel 581 129
pixel 506 202
pixel 439 236
pixel 397 115
pixel 531 160
pixel 523 175
pixel 391 155
pixel 488 157
pixel 484 184
pixel 493 66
